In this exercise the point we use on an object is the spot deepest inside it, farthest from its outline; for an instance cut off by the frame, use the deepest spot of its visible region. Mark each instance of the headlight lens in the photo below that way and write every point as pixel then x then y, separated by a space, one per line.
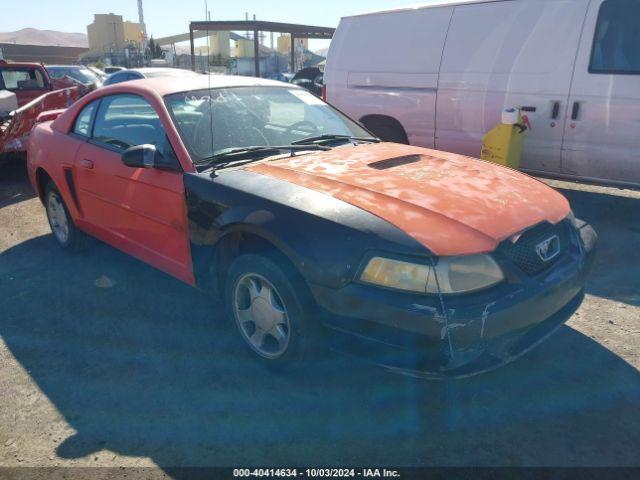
pixel 465 274
pixel 575 222
pixel 455 274
pixel 396 274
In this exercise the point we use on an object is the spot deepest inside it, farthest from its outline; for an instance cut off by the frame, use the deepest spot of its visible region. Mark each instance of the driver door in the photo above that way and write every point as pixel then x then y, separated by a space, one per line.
pixel 139 210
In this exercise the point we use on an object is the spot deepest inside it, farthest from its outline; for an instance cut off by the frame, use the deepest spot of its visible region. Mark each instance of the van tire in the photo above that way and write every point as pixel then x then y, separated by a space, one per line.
pixel 388 129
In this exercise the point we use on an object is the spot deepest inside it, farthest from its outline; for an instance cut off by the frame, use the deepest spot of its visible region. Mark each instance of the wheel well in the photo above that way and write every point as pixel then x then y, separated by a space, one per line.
pixel 42 178
pixel 239 243
pixel 385 127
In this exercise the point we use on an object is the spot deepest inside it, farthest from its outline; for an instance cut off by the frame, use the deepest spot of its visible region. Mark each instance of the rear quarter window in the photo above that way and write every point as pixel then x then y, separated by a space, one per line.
pixel 23 79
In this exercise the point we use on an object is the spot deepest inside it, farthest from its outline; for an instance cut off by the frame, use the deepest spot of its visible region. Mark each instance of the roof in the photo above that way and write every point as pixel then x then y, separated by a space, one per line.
pixel 162 86
pixel 154 69
pixel 300 31
pixel 420 6
pixel 42 53
pixel 5 64
pixel 64 66
pixel 159 87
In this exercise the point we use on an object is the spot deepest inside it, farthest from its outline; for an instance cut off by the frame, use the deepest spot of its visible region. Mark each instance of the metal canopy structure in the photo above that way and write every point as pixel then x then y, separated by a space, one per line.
pixel 257 26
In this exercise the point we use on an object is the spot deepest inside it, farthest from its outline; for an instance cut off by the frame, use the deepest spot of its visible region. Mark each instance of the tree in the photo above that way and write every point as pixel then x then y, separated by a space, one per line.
pixel 153 50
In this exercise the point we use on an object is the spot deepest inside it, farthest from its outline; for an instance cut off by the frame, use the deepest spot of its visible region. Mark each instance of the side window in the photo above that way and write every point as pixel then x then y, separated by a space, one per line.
pixel 83 122
pixel 616 44
pixel 22 79
pixel 125 121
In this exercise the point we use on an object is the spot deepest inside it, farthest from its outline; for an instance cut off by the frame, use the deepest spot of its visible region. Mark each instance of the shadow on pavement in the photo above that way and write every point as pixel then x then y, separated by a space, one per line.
pixel 14 182
pixel 144 368
pixel 616 271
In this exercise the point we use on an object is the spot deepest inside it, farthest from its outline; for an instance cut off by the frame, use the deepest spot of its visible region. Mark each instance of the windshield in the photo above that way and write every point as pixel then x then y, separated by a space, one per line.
pixel 83 75
pixel 214 121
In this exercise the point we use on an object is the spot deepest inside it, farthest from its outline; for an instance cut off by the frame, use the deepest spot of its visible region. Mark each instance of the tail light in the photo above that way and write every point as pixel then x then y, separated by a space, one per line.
pixel 324 92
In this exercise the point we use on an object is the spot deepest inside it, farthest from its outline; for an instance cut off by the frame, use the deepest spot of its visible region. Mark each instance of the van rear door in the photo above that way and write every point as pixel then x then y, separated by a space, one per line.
pixel 386 65
pixel 509 54
pixel 602 135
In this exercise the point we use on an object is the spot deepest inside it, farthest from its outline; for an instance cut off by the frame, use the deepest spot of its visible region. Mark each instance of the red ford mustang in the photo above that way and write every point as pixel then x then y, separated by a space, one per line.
pixel 306 225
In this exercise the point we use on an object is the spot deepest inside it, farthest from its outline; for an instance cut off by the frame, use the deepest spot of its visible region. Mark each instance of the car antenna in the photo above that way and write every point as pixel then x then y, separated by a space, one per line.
pixel 209 84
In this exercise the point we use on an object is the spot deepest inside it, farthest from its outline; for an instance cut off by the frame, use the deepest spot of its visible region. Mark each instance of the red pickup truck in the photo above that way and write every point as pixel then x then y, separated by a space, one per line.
pixel 27 80
pixel 36 92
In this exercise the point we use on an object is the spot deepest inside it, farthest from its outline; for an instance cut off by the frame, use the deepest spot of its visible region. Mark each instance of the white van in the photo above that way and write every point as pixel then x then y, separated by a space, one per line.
pixel 439 76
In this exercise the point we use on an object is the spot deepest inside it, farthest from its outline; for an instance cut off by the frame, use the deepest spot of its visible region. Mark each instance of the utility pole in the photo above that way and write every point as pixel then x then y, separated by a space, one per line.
pixel 142 25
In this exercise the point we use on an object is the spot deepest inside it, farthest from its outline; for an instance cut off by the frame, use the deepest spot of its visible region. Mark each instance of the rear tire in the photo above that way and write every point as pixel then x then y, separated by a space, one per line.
pixel 64 230
pixel 270 311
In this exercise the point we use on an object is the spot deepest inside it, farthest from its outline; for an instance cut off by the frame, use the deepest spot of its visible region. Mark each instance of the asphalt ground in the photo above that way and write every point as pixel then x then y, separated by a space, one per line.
pixel 105 361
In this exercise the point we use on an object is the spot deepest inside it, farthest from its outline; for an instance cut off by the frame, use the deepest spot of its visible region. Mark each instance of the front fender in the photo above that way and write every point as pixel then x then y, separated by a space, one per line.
pixel 325 238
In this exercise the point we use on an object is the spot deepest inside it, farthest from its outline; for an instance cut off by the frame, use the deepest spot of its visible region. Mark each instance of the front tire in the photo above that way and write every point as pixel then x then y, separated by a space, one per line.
pixel 269 310
pixel 64 230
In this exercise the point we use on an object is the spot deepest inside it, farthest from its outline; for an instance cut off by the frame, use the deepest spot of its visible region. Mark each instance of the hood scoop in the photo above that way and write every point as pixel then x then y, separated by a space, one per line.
pixel 395 162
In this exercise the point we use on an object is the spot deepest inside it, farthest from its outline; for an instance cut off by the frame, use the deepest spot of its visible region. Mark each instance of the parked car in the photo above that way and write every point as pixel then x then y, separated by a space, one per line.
pixel 80 73
pixel 101 74
pixel 31 93
pixel 27 80
pixel 138 73
pixel 310 78
pixel 299 219
pixel 439 76
pixel 112 69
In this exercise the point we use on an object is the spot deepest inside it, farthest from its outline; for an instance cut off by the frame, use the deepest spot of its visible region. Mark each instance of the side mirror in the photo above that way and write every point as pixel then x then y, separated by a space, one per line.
pixel 147 156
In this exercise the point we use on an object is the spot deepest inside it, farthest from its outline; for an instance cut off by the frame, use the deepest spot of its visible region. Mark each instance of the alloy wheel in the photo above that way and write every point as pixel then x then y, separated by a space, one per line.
pixel 58 217
pixel 261 316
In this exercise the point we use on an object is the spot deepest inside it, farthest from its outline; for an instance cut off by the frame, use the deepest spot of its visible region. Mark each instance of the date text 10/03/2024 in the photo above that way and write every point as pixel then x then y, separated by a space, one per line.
pixel 316 473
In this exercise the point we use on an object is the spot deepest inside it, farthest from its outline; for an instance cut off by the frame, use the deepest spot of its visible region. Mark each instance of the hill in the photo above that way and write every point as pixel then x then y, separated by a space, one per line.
pixel 33 36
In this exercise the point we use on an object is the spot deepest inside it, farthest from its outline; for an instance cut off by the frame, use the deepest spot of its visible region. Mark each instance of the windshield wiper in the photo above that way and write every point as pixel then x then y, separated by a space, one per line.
pixel 255 153
pixel 330 137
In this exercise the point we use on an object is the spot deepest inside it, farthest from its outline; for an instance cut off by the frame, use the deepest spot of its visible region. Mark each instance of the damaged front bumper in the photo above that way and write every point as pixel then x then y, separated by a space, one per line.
pixel 412 334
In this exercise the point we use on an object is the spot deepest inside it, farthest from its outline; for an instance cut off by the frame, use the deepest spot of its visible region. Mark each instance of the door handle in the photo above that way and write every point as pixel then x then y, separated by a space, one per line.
pixel 88 164
pixel 555 111
pixel 576 111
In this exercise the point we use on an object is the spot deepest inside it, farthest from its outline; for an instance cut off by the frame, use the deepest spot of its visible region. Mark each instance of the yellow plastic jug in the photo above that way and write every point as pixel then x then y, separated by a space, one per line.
pixel 503 144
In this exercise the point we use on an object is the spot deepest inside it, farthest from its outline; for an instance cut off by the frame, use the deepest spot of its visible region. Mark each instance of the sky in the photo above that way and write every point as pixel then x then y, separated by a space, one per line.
pixel 170 17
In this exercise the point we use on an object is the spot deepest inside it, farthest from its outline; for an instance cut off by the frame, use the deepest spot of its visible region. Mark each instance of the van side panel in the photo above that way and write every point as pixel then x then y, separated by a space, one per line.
pixel 388 64
pixel 519 53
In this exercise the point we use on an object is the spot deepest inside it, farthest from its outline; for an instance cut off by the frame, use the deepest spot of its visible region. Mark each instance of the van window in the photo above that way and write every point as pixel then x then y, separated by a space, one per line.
pixel 616 45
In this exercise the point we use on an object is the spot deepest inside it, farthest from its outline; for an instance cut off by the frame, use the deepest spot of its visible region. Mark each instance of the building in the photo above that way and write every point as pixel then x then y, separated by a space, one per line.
pixel 51 55
pixel 244 48
pixel 219 44
pixel 284 44
pixel 110 33
pixel 133 33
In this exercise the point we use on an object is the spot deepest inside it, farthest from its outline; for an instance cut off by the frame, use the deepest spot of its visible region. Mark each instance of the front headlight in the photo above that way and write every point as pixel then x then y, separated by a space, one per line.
pixel 575 222
pixel 454 274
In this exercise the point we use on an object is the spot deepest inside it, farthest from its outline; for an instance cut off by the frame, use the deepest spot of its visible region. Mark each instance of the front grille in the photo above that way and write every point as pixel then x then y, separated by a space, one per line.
pixel 524 252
